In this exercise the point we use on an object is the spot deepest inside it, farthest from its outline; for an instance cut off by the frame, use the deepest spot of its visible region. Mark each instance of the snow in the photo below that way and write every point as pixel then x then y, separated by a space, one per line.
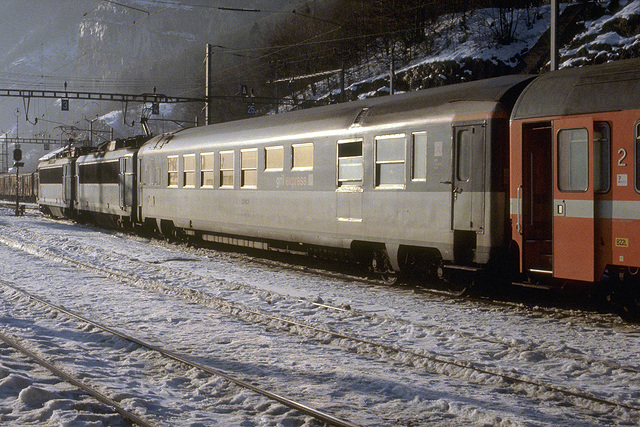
pixel 202 303
pixel 604 43
pixel 630 9
pixel 479 46
pixel 474 40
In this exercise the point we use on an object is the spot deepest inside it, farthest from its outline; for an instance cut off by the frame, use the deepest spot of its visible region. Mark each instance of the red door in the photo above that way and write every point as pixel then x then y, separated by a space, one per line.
pixel 573 200
pixel 535 200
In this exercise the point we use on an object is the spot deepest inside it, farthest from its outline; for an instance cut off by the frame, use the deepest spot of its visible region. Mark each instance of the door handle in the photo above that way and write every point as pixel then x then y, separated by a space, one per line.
pixel 456 191
pixel 519 209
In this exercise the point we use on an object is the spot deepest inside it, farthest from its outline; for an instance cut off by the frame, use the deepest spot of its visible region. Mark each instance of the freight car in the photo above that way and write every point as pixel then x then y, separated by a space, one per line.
pixel 27 186
pixel 512 178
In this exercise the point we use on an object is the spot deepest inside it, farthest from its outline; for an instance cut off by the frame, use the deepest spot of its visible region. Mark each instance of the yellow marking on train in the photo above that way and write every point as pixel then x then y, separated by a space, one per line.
pixel 622 242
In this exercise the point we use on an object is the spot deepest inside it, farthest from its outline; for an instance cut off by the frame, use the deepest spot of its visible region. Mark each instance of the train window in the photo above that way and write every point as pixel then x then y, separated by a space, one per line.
pixel 419 152
pixel 274 158
pixel 172 171
pixel 602 157
pixel 226 169
pixel 50 176
pixel 99 173
pixel 350 164
pixel 573 160
pixel 463 155
pixel 206 170
pixel 189 170
pixel 390 155
pixel 302 156
pixel 249 168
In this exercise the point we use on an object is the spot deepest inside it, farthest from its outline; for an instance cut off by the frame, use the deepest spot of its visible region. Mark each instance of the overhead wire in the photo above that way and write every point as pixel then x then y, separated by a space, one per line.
pixel 307 42
pixel 188 84
pixel 130 82
pixel 82 55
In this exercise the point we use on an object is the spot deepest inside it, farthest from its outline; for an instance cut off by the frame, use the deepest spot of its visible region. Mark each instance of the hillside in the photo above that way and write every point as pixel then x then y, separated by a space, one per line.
pixel 161 46
pixel 590 33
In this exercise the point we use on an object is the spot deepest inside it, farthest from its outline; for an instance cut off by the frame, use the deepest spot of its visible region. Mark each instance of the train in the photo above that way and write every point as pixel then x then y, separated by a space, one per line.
pixel 27 186
pixel 533 180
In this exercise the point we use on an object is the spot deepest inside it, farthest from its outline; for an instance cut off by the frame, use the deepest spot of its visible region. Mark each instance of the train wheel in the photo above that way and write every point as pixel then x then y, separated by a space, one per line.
pixel 460 288
pixel 625 303
pixel 381 266
pixel 390 278
pixel 624 298
pixel 458 284
pixel 632 311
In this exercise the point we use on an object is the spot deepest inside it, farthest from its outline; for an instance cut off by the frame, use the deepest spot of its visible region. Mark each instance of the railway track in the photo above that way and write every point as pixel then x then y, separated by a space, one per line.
pixel 159 266
pixel 379 318
pixel 185 360
pixel 532 308
pixel 91 391
pixel 432 361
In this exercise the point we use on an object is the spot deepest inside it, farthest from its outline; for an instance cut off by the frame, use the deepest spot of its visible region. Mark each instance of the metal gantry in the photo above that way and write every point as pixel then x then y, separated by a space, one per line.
pixel 4 148
pixel 121 97
pixel 155 98
pixel 98 96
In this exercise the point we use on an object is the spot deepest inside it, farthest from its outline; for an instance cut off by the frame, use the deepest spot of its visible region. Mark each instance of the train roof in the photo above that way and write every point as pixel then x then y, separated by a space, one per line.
pixel 612 86
pixel 482 95
pixel 68 151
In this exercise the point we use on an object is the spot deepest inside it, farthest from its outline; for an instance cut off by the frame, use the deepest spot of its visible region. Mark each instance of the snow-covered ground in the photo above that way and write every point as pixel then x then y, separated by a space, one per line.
pixel 391 356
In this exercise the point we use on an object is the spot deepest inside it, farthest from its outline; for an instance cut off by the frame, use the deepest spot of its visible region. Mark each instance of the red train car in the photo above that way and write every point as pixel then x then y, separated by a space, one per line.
pixel 575 180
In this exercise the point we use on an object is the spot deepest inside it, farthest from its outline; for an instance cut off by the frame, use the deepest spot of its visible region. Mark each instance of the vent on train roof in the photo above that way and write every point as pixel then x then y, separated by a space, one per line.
pixel 361 115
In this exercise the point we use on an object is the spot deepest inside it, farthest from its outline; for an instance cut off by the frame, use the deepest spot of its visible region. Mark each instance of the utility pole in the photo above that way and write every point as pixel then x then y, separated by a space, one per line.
pixel 17 156
pixel 208 120
pixel 17 123
pixel 554 35
pixel 5 155
pixel 277 89
pixel 392 72
pixel 342 94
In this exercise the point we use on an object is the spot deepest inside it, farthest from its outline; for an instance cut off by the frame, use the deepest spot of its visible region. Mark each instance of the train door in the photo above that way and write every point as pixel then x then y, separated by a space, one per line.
pixel 68 195
pixel 350 179
pixel 468 188
pixel 125 182
pixel 573 204
pixel 536 199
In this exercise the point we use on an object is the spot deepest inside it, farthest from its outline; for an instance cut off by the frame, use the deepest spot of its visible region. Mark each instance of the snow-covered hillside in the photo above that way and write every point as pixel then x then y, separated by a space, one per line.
pixel 466 50
pixel 136 46
pixel 160 46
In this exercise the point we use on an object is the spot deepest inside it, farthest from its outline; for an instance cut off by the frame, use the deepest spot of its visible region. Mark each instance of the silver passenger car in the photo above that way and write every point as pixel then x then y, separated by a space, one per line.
pixel 411 179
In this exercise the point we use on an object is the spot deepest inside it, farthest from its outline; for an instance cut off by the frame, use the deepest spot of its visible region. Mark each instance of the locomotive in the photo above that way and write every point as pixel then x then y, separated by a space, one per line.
pixel 525 179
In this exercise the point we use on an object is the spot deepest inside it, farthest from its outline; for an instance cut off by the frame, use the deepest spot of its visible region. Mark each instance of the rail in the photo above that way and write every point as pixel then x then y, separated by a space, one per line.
pixel 74 381
pixel 318 415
